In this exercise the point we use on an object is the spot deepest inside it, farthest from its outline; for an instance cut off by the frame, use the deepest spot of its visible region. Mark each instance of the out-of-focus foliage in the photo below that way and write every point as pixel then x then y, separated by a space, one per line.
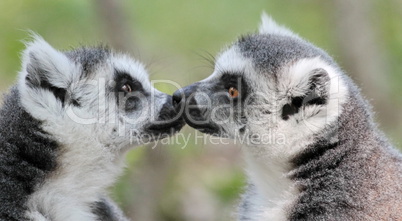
pixel 201 181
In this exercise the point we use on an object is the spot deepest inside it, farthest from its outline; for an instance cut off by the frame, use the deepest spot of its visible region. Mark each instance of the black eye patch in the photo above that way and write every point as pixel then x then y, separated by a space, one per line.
pixel 292 108
pixel 122 78
pixel 237 81
pixel 130 101
pixel 231 80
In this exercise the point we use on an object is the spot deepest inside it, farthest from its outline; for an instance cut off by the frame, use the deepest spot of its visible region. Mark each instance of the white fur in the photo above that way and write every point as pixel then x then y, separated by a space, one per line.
pixel 267 162
pixel 264 168
pixel 36 216
pixel 274 191
pixel 127 64
pixel 269 26
pixel 313 118
pixel 61 68
pixel 230 61
pixel 297 75
pixel 92 149
pixel 88 168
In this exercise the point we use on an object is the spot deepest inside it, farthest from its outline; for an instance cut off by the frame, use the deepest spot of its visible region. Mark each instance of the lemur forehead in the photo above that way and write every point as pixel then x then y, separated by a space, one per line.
pixel 89 58
pixel 124 63
pixel 231 61
pixel 270 52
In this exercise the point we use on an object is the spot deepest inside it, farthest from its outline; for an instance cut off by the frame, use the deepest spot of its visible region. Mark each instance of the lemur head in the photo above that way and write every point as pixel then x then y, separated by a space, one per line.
pixel 264 85
pixel 93 94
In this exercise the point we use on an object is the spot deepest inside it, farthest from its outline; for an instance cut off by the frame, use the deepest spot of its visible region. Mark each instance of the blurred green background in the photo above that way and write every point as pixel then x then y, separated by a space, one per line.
pixel 202 181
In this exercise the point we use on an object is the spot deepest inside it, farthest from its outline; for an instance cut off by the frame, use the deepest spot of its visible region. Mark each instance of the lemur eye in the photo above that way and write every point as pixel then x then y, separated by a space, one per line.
pixel 233 92
pixel 126 88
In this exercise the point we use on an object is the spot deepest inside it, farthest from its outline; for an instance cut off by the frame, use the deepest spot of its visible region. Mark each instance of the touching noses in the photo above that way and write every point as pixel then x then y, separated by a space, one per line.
pixel 179 97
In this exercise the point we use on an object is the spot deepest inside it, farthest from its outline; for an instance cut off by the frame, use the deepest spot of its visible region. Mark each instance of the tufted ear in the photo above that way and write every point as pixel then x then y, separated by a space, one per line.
pixel 269 26
pixel 317 93
pixel 43 67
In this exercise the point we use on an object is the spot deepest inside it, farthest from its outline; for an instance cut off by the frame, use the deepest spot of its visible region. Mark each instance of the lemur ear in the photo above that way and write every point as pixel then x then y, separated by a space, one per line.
pixel 316 94
pixel 319 87
pixel 269 26
pixel 46 68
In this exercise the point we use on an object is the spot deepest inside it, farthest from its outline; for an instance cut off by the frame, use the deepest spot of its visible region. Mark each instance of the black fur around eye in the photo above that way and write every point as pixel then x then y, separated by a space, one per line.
pixel 235 84
pixel 231 80
pixel 126 83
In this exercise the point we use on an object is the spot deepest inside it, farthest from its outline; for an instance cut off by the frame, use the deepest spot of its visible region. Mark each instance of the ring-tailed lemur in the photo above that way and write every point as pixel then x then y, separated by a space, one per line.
pixel 64 129
pixel 312 149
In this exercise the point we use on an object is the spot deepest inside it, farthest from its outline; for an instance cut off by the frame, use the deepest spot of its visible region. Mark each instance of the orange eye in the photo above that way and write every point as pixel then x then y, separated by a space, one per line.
pixel 126 88
pixel 233 92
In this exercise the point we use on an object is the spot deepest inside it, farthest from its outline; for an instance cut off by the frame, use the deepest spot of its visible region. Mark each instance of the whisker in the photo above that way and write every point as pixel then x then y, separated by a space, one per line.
pixel 208 57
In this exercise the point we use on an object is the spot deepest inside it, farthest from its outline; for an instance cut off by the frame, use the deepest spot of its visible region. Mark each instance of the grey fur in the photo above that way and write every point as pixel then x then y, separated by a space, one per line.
pixel 358 177
pixel 89 57
pixel 271 52
pixel 52 165
pixel 27 156
pixel 346 171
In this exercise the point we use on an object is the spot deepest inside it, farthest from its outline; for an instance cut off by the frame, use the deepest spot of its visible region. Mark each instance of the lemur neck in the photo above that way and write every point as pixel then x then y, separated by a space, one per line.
pixel 273 174
pixel 81 179
pixel 268 175
pixel 49 174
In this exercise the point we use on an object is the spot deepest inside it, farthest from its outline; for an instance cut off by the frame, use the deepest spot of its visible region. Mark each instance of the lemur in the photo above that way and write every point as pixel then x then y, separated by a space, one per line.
pixel 66 126
pixel 312 149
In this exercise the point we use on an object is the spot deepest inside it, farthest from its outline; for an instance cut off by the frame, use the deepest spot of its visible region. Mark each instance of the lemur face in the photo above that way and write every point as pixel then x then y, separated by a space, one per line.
pixel 94 93
pixel 263 85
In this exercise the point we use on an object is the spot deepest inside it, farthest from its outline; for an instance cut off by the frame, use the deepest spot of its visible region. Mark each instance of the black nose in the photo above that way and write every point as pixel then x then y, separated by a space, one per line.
pixel 177 97
pixel 180 95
